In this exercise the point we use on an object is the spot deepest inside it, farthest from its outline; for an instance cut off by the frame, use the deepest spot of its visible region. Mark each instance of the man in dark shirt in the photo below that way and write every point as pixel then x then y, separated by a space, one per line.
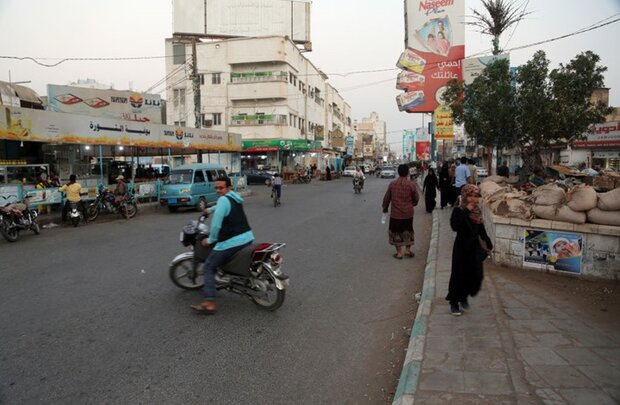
pixel 503 170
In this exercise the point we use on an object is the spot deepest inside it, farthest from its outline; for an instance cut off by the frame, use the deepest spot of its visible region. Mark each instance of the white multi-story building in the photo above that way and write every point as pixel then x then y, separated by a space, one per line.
pixel 371 133
pixel 265 89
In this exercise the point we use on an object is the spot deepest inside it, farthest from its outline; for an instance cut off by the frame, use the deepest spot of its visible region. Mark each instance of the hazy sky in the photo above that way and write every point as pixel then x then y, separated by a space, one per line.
pixel 348 36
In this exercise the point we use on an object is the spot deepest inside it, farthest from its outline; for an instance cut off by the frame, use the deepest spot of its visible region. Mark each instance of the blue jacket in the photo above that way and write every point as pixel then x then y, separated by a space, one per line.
pixel 222 209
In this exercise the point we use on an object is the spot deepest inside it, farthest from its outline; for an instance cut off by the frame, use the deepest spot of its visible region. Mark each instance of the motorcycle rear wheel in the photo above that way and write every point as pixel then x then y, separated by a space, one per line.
pixel 274 298
pixel 181 273
pixel 75 221
pixel 9 234
pixel 132 209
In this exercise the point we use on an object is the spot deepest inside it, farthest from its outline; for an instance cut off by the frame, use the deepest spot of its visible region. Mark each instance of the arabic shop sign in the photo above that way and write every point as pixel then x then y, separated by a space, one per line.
pixel 24 124
pixel 602 135
pixel 444 126
pixel 272 145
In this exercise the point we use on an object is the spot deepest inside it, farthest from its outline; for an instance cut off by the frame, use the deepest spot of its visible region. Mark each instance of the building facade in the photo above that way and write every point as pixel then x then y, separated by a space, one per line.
pixel 371 143
pixel 265 89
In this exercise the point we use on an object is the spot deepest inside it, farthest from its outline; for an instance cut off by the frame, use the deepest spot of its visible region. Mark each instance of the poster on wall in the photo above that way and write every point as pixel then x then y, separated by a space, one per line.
pixel 435 48
pixel 551 250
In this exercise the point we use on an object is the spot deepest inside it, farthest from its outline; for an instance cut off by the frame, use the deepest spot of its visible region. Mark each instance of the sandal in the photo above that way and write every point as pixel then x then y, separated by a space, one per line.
pixel 409 254
pixel 205 308
pixel 396 256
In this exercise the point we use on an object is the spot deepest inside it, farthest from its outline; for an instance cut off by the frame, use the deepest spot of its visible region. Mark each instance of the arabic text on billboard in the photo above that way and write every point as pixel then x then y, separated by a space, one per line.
pixel 444 126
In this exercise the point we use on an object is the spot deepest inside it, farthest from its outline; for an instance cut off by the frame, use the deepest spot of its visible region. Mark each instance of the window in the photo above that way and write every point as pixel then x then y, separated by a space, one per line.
pixel 260 116
pixel 178 54
pixel 216 78
pixel 211 175
pixel 199 177
pixel 217 118
pixel 179 97
pixel 179 123
pixel 291 120
pixel 202 79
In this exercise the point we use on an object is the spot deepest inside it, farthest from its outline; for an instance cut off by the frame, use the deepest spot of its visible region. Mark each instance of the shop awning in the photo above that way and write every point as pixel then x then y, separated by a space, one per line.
pixel 26 94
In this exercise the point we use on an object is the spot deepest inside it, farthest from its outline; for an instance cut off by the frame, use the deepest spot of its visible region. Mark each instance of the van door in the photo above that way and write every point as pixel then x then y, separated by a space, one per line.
pixel 200 187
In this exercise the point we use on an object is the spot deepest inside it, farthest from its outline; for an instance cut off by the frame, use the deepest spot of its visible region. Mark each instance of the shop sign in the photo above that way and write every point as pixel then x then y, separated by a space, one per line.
pixel 444 126
pixel 24 124
pixel 602 135
pixel 606 155
pixel 272 145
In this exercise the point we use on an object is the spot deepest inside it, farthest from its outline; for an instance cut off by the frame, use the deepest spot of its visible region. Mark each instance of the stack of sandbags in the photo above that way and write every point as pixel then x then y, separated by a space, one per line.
pixel 487 188
pixel 549 202
pixel 501 180
pixel 582 198
pixel 607 210
pixel 606 181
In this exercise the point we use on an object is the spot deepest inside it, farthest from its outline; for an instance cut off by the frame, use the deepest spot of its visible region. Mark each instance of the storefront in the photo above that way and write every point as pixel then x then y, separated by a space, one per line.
pixel 603 145
pixel 96 149
pixel 281 155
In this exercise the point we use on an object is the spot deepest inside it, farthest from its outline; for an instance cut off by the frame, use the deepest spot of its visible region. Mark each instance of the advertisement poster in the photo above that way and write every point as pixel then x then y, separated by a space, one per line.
pixel 561 251
pixel 435 50
pixel 444 125
pixel 116 104
pixel 473 67
pixel 602 135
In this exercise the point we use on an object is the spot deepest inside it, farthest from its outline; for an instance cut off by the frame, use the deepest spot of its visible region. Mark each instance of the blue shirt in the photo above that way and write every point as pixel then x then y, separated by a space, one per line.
pixel 222 210
pixel 462 173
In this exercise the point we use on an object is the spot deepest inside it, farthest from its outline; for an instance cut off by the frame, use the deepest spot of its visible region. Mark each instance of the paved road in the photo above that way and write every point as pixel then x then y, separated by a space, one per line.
pixel 89 315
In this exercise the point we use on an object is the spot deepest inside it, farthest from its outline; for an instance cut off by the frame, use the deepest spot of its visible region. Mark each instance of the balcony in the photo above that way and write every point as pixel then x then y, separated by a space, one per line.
pixel 266 119
pixel 275 90
pixel 253 77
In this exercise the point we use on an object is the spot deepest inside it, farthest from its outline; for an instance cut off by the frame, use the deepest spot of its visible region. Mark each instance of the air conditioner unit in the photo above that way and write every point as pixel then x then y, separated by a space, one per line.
pixel 208 123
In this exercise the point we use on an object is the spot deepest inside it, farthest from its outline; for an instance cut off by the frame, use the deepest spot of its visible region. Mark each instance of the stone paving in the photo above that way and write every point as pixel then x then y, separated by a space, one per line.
pixel 514 346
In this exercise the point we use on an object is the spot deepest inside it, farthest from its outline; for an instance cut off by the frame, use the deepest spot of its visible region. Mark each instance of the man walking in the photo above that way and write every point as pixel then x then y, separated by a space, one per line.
pixel 462 176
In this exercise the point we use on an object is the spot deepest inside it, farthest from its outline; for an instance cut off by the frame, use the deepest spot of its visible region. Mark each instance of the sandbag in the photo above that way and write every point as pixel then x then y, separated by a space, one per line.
pixel 561 213
pixel 488 187
pixel 609 201
pixel 549 194
pixel 513 208
pixel 581 198
pixel 598 216
pixel 501 180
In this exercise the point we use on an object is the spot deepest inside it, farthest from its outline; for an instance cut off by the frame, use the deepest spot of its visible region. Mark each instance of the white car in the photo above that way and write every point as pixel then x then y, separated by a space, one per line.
pixel 481 171
pixel 388 172
pixel 349 171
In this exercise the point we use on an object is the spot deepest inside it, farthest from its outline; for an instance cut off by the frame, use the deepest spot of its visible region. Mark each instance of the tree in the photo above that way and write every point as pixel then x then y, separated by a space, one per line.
pixel 500 15
pixel 555 107
pixel 488 106
pixel 544 108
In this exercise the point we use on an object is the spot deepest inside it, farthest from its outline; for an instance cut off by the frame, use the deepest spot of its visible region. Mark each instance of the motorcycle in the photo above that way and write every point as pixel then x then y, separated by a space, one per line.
pixel 15 218
pixel 254 271
pixel 105 203
pixel 75 213
pixel 357 185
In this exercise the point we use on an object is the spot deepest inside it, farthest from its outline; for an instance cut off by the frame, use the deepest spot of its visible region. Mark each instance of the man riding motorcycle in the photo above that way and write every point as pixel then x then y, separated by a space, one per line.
pixel 359 174
pixel 74 194
pixel 230 232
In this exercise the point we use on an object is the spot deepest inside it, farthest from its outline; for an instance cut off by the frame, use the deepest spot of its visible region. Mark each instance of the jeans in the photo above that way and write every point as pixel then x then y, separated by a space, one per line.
pixel 216 258
pixel 278 188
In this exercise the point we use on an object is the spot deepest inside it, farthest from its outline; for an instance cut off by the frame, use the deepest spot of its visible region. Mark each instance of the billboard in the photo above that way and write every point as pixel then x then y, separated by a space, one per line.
pixel 116 104
pixel 25 124
pixel 473 67
pixel 435 48
pixel 553 250
pixel 242 18
pixel 444 125
pixel 422 144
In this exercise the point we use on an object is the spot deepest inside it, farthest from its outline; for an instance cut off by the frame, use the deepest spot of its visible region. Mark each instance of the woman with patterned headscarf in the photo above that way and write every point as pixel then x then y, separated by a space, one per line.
pixel 471 247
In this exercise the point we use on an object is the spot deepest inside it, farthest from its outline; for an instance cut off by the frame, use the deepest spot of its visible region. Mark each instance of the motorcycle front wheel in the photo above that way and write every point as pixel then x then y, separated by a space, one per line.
pixel 9 234
pixel 182 272
pixel 92 212
pixel 35 228
pixel 273 298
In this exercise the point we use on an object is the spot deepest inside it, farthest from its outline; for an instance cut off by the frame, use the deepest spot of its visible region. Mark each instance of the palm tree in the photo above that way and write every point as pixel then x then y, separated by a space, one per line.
pixel 499 16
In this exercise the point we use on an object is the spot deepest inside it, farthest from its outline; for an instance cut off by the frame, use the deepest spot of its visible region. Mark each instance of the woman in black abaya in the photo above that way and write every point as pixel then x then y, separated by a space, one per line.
pixel 468 252
pixel 430 190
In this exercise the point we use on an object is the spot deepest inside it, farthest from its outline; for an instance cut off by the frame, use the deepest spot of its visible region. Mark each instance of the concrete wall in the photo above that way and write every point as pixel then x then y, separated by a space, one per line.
pixel 601 250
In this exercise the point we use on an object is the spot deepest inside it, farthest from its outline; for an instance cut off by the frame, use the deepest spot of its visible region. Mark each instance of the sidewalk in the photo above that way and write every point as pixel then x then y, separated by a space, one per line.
pixel 515 345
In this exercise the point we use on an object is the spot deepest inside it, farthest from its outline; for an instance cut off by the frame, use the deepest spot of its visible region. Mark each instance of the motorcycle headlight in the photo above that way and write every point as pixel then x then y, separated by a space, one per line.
pixel 276 259
pixel 34 214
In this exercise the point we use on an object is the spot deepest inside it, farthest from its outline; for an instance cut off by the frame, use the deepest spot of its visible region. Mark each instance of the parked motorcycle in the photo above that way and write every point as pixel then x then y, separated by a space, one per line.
pixel 15 218
pixel 254 272
pixel 357 185
pixel 105 203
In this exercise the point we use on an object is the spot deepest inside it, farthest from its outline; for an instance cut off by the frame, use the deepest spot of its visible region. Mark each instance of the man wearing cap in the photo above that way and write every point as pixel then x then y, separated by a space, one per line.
pixel 120 193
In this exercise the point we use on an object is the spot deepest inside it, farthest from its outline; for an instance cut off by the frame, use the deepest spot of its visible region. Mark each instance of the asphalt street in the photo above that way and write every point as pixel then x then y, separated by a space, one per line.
pixel 89 315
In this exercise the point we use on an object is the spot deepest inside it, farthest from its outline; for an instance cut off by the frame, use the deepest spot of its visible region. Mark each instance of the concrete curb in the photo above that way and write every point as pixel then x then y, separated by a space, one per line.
pixel 408 381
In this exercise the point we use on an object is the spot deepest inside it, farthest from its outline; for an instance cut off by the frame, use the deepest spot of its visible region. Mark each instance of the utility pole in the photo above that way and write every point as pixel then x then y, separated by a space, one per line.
pixel 196 89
